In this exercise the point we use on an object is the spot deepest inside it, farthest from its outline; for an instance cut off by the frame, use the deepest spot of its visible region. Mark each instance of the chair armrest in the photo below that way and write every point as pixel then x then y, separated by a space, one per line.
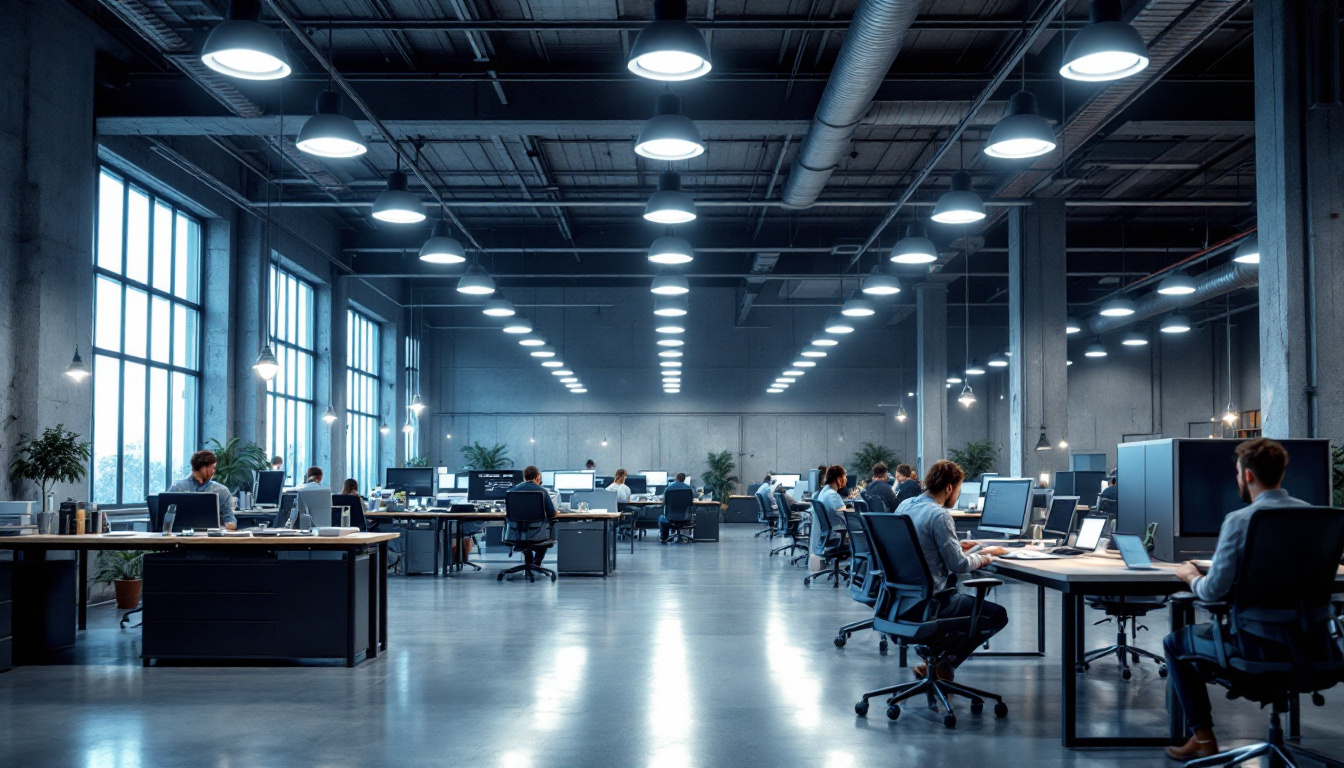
pixel 1183 597
pixel 982 583
pixel 1217 608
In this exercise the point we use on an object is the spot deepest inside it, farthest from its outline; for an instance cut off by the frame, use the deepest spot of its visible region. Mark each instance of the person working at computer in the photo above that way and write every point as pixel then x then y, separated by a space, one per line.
pixel 678 484
pixel 1106 501
pixel 590 466
pixel 766 492
pixel 832 494
pixel 619 487
pixel 1260 469
pixel 313 479
pixel 879 488
pixel 202 480
pixel 350 487
pixel 947 557
pixel 907 485
pixel 532 484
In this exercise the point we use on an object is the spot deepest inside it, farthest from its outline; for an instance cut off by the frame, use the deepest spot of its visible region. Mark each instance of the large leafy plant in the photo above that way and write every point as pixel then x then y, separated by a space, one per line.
pixel 975 459
pixel 237 462
pixel 57 456
pixel 115 565
pixel 869 455
pixel 478 456
pixel 418 461
pixel 719 476
pixel 1337 476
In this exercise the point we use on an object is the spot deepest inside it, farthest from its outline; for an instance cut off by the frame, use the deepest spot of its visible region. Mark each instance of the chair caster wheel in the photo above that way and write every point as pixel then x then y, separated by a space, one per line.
pixel 552 579
pixel 500 577
pixel 882 646
pixel 893 711
pixel 861 709
pixel 1126 674
pixel 1161 671
pixel 839 641
pixel 950 720
pixel 1081 668
pixel 1000 709
pixel 1318 699
pixel 977 707
pixel 1134 658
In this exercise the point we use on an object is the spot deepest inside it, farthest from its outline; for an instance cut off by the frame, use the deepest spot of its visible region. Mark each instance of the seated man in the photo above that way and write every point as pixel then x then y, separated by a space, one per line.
pixel 1260 468
pixel 766 492
pixel 907 485
pixel 880 488
pixel 946 557
pixel 202 480
pixel 313 479
pixel 532 483
pixel 677 484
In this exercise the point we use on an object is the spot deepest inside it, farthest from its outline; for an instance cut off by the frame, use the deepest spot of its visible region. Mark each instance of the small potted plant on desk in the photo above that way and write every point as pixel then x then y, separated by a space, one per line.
pixel 56 456
pixel 123 571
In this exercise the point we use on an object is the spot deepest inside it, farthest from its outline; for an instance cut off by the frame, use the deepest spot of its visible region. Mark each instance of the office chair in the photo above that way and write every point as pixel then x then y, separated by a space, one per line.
pixel 1125 610
pixel 789 527
pixel 524 518
pixel 766 517
pixel 356 505
pixel 865 578
pixel 907 610
pixel 677 511
pixel 646 519
pixel 874 503
pixel 1279 635
pixel 833 548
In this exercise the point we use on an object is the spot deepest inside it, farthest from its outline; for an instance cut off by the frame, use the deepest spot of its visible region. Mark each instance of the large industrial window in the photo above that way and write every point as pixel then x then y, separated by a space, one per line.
pixel 411 430
pixel 361 386
pixel 289 396
pixel 146 342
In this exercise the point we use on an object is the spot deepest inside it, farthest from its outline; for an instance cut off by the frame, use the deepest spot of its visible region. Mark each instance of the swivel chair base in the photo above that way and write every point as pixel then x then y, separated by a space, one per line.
pixel 528 569
pixel 770 529
pixel 1123 650
pixel 843 635
pixel 1279 753
pixel 833 572
pixel 937 692
pixel 791 547
pixel 125 617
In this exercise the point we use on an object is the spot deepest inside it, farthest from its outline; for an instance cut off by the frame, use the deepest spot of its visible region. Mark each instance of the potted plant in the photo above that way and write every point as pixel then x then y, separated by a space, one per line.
pixel 418 461
pixel 719 476
pixel 478 456
pixel 236 463
pixel 123 570
pixel 975 459
pixel 870 455
pixel 56 456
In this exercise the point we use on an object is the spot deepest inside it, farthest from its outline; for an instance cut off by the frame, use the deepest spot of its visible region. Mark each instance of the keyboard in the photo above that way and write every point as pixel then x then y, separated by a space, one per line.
pixel 1068 551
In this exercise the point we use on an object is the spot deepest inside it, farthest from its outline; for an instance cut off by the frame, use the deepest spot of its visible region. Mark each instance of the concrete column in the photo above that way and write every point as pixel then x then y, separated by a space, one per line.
pixel 931 403
pixel 249 408
pixel 1038 386
pixel 1299 125
pixel 332 357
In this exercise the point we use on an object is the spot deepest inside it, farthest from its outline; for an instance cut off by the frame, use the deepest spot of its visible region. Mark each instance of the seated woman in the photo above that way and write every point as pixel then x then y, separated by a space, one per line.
pixel 831 496
pixel 619 487
pixel 946 557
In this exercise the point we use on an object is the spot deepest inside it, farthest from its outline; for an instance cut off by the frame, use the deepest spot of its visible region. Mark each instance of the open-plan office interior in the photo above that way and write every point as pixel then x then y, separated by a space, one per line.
pixel 529 383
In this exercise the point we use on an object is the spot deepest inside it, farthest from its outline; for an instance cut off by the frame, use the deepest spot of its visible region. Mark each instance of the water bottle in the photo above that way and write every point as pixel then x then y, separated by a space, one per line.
pixel 345 517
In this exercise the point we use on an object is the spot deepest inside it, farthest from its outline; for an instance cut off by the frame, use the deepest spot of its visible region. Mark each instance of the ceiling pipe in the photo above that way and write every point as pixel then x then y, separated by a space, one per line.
pixel 1216 282
pixel 870 46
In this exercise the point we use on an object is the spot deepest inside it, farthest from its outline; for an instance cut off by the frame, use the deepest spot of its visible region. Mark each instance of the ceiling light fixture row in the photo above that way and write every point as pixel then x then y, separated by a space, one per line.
pixel 877 283
pixel 670 308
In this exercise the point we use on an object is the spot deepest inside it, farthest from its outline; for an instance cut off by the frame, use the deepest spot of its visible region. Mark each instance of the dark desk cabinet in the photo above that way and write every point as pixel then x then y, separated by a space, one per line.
pixel 280 605
pixel 706 523
pixel 741 509
pixel 584 547
pixel 6 616
pixel 41 615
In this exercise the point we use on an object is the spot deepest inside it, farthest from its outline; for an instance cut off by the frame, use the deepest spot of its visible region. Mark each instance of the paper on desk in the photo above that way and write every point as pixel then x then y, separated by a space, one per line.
pixel 1029 554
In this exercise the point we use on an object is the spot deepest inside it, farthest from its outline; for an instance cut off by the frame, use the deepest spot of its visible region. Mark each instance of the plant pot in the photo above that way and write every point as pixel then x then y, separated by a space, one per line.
pixel 128 592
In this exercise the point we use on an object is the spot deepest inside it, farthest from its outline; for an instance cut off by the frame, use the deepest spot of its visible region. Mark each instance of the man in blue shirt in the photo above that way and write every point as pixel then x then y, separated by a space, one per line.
pixel 201 480
pixel 879 489
pixel 766 492
pixel 679 484
pixel 907 485
pixel 532 484
pixel 1260 468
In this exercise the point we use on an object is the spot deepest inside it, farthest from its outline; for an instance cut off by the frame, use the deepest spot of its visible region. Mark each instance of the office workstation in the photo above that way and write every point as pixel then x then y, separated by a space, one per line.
pixel 671 383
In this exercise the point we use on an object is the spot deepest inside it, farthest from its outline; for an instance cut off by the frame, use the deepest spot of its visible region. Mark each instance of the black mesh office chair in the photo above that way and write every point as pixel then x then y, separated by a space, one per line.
pixel 907 610
pixel 1126 612
pixel 788 527
pixel 356 505
pixel 874 503
pixel 865 577
pixel 1279 637
pixel 765 516
pixel 677 509
pixel 835 549
pixel 527 529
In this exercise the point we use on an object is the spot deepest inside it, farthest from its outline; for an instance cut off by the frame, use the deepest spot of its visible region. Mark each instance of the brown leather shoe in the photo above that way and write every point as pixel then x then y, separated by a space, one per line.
pixel 920 671
pixel 945 672
pixel 1201 744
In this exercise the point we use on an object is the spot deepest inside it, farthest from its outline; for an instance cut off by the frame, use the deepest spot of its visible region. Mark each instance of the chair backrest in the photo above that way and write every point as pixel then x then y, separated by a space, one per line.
pixel 525 513
pixel 785 515
pixel 865 574
pixel 596 500
pixel 1292 554
pixel 677 505
pixel 287 501
pixel 895 545
pixel 821 518
pixel 860 505
pixel 356 505
pixel 316 503
pixel 763 511
pixel 155 515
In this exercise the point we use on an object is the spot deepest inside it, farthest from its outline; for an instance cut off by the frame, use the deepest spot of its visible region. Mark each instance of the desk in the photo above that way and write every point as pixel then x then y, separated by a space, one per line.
pixel 173 620
pixel 704 514
pixel 742 509
pixel 965 521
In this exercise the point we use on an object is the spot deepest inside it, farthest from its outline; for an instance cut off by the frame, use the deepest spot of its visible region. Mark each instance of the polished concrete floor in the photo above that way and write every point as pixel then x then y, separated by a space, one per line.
pixel 691 655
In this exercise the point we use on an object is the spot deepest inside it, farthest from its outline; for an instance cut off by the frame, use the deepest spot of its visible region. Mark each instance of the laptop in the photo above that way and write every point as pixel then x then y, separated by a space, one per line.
pixel 1133 552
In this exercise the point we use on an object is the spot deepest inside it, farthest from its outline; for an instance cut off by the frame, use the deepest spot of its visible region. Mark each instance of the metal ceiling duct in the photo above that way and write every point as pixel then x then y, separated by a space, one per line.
pixel 1210 285
pixel 874 38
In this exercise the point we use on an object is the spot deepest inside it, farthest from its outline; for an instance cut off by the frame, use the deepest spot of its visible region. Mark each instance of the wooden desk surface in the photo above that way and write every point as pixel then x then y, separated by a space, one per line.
pixel 964 515
pixel 159 541
pixel 654 503
pixel 1086 568
pixel 475 516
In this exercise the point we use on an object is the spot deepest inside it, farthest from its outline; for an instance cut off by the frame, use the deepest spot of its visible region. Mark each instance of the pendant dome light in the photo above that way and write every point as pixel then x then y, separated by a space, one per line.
pixel 1118 307
pixel 670 249
pixel 532 340
pixel 383 428
pixel 417 405
pixel 1022 133
pixel 442 249
pixel 960 204
pixel 330 416
pixel 266 365
pixel 243 47
pixel 1096 349
pixel 669 48
pixel 857 307
pixel 1106 49
pixel 669 284
pixel 78 370
pixel 670 306
pixel 998 360
pixel 814 352
pixel 1073 325
pixel 328 133
pixel 838 324
pixel 1135 339
pixel 1043 443
pixel 1176 324
pixel 901 414
pixel 669 135
pixel 670 327
pixel 955 377
pixel 545 350
pixel 475 282
pixel 669 205
pixel 499 308
pixel 975 369
pixel 407 428
pixel 879 283
pixel 1176 284
pixel 517 324
pixel 822 340
pixel 915 247
pixel 398 205
pixel 1248 252
pixel 967 397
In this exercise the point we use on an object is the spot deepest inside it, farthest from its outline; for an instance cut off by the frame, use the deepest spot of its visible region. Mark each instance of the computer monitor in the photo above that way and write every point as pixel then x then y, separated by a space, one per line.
pixel 198 511
pixel 1090 531
pixel 985 477
pixel 638 485
pixel 312 509
pixel 969 498
pixel 415 481
pixel 1059 523
pixel 814 480
pixel 655 477
pixel 548 478
pixel 788 481
pixel 445 480
pixel 270 482
pixel 492 484
pixel 1040 498
pixel 1007 507
pixel 569 481
pixel 1086 485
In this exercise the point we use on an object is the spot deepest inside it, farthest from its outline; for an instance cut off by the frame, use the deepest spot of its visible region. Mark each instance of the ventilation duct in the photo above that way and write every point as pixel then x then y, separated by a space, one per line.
pixel 1210 285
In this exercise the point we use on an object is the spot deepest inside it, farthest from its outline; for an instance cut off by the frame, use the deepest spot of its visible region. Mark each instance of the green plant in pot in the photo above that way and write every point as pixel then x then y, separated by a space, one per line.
pixel 57 456
pixel 975 459
pixel 478 456
pixel 869 456
pixel 418 461
pixel 123 570
pixel 719 476
pixel 237 463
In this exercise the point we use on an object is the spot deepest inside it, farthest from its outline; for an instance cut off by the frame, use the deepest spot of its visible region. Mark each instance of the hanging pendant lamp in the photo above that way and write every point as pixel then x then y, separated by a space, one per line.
pixel 1022 133
pixel 243 47
pixel 440 248
pixel 475 282
pixel 398 205
pixel 328 133
pixel 669 205
pixel 78 370
pixel 669 48
pixel 669 135
pixel 1106 49
pixel 960 204
pixel 915 247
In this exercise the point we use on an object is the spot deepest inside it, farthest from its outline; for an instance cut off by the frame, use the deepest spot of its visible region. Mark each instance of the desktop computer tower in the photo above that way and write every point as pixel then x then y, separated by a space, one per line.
pixel 1186 486
pixel 419 543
